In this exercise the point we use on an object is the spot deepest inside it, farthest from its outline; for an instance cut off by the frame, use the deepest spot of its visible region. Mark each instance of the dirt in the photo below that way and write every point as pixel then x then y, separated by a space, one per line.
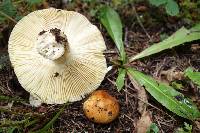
pixel 136 40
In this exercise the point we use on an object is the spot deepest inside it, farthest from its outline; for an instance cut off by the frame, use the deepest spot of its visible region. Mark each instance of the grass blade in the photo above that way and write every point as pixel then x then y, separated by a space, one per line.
pixel 194 76
pixel 7 11
pixel 166 95
pixel 111 21
pixel 181 36
pixel 7 98
pixel 120 78
pixel 51 122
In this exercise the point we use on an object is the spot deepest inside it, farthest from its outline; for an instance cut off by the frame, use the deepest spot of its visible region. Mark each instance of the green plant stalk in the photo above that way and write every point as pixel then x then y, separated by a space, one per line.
pixel 31 123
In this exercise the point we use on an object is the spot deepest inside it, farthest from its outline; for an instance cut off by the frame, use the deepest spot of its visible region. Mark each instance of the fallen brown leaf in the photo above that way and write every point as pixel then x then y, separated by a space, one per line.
pixel 141 93
pixel 197 124
pixel 172 74
pixel 143 123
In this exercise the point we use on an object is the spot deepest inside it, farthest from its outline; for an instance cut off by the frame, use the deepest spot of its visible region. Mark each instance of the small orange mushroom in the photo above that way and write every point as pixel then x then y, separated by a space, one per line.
pixel 101 107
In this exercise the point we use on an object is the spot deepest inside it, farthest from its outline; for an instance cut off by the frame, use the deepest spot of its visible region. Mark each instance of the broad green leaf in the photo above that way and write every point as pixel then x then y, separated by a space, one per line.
pixel 157 2
pixel 172 8
pixel 111 21
pixel 7 8
pixel 120 78
pixel 166 95
pixel 194 76
pixel 153 128
pixel 52 121
pixel 181 36
pixel 34 2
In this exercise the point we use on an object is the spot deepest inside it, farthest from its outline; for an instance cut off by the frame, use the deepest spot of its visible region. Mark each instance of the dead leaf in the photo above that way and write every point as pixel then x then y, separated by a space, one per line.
pixel 197 124
pixel 172 74
pixel 143 123
pixel 141 93
pixel 195 47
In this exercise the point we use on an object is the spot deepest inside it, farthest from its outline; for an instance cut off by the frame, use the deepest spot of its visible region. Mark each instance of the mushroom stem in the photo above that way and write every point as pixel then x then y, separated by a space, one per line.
pixel 52 44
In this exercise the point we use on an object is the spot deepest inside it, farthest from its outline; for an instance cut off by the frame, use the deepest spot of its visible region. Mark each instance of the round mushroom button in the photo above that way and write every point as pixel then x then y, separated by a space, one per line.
pixel 101 107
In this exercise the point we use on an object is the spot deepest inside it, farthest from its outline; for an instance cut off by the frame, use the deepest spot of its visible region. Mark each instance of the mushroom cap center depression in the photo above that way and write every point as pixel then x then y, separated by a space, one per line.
pixel 51 44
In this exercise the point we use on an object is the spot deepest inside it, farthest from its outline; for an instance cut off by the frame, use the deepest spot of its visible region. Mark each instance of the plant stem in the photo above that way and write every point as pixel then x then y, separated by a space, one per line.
pixel 140 23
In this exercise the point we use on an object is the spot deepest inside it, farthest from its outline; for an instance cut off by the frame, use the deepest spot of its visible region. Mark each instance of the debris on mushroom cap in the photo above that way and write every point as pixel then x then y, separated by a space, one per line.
pixel 57 55
pixel 101 107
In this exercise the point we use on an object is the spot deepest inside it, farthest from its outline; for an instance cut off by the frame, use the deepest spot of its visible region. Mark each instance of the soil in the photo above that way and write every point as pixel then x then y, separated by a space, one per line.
pixel 135 39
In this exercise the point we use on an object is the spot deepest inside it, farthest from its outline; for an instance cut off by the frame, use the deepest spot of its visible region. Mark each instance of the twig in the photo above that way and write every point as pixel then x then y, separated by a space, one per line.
pixel 110 52
pixel 126 101
pixel 129 117
pixel 111 81
pixel 140 23
pixel 159 124
pixel 5 15
pixel 126 37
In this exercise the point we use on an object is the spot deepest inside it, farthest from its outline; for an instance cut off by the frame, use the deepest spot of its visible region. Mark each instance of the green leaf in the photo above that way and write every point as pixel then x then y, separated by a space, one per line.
pixel 172 8
pixel 120 78
pixel 194 76
pixel 181 36
pixel 111 21
pixel 11 129
pixel 8 9
pixel 166 95
pixel 52 121
pixel 34 2
pixel 153 128
pixel 177 86
pixel 186 129
pixel 158 2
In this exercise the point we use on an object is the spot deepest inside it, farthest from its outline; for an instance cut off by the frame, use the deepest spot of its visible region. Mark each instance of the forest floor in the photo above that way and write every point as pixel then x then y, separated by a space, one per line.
pixel 161 66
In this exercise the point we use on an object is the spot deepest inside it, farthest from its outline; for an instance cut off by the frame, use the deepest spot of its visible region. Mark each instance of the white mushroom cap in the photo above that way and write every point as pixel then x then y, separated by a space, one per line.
pixel 57 55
